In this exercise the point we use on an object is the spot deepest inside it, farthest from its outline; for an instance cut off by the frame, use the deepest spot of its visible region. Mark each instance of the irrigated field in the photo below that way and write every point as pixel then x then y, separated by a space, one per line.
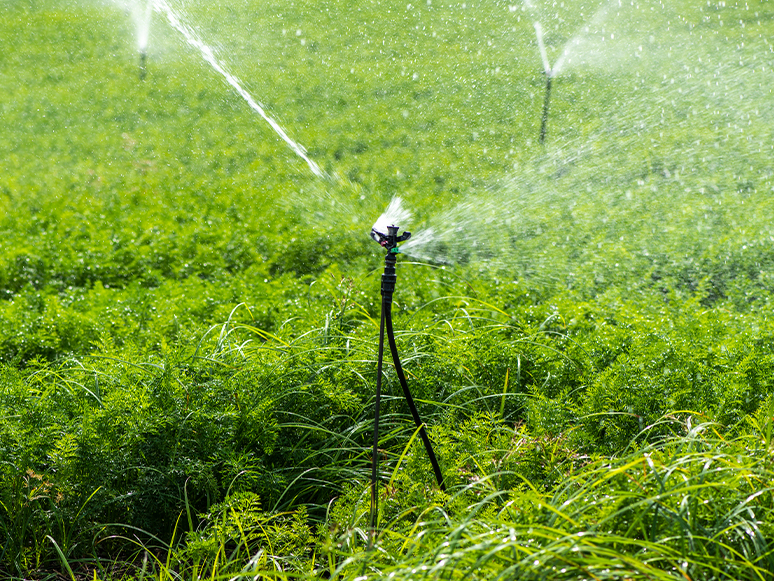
pixel 189 315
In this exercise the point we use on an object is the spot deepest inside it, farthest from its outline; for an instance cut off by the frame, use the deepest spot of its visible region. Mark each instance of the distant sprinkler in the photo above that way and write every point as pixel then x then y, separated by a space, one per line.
pixel 544 120
pixel 143 58
pixel 143 21
pixel 549 73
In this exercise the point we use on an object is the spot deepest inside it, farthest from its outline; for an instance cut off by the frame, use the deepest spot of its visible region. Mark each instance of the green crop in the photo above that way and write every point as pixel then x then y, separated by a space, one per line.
pixel 189 317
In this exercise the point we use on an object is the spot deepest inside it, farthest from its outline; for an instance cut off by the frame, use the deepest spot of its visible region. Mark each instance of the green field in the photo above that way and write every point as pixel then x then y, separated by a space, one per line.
pixel 189 316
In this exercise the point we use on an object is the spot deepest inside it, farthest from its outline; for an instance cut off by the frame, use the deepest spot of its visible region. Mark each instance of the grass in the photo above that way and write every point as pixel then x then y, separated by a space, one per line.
pixel 653 513
pixel 190 317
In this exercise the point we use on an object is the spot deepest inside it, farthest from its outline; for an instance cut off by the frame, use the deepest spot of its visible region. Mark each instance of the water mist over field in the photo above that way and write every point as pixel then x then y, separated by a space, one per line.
pixel 681 110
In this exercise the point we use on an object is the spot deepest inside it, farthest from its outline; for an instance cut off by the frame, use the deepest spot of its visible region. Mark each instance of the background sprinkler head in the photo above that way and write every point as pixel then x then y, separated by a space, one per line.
pixel 391 239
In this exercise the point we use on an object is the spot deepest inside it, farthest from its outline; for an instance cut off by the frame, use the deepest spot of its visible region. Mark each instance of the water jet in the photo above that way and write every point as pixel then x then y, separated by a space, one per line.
pixel 209 56
pixel 143 20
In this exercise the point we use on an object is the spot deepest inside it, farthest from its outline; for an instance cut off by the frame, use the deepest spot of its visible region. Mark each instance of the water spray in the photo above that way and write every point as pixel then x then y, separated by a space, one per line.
pixel 208 55
pixel 143 21
pixel 390 241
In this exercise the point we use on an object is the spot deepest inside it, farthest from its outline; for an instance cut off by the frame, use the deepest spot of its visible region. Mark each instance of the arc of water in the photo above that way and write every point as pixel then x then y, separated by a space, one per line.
pixel 143 27
pixel 599 16
pixel 209 56
pixel 542 46
pixel 572 43
pixel 394 214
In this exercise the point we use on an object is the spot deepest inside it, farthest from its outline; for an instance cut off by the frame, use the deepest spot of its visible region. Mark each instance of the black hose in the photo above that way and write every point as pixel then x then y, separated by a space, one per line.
pixel 410 400
pixel 377 404
pixel 389 279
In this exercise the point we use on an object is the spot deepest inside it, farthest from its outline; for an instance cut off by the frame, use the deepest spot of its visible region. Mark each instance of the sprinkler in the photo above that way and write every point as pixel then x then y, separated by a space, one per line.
pixel 544 121
pixel 390 241
pixel 549 73
pixel 143 58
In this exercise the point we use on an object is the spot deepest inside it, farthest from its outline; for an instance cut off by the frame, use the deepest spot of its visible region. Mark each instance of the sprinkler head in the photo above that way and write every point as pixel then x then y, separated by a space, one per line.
pixel 391 239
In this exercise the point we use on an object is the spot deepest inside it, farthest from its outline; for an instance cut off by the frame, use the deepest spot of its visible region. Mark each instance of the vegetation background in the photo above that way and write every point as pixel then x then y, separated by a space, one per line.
pixel 189 316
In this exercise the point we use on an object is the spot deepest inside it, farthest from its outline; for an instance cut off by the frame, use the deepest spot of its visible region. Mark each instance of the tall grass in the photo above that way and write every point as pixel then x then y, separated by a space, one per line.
pixel 694 506
pixel 248 429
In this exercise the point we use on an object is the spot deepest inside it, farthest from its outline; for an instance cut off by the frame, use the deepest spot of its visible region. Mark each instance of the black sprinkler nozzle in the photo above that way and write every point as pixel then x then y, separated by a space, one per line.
pixel 391 239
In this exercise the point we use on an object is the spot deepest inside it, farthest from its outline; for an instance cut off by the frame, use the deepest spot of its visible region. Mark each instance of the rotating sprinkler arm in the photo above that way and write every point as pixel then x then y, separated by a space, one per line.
pixel 391 239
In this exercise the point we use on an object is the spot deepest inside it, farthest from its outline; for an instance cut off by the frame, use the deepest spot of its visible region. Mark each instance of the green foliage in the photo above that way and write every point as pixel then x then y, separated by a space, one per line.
pixel 189 317
pixel 682 508
pixel 239 527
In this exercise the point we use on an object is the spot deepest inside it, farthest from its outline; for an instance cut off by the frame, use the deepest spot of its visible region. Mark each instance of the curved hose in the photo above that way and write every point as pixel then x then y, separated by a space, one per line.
pixel 377 405
pixel 388 287
pixel 410 400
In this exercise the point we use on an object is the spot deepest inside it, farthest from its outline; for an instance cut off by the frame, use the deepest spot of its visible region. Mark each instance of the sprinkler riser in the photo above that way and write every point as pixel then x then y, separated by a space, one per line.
pixel 143 58
pixel 544 120
pixel 389 277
